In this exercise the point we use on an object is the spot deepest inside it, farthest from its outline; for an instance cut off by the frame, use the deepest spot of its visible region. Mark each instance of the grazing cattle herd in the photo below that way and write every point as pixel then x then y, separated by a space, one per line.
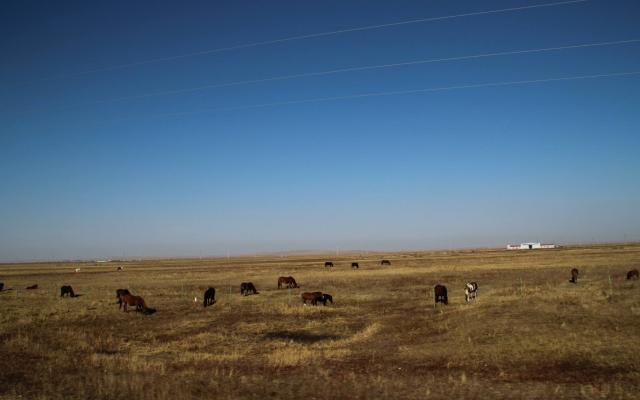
pixel 125 299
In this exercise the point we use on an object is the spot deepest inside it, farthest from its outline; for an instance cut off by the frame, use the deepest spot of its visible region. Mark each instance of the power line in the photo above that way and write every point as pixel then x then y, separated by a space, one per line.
pixel 364 68
pixel 401 92
pixel 313 35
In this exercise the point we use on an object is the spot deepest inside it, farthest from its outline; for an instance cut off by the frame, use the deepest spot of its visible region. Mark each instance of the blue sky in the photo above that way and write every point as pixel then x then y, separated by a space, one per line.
pixel 87 174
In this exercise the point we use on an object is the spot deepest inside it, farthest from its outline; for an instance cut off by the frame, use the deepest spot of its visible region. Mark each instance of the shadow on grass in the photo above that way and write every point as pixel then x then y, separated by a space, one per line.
pixel 300 337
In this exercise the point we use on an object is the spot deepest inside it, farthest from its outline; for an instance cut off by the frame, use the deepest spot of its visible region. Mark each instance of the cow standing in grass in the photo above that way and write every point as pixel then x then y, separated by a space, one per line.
pixel 633 274
pixel 470 291
pixel 574 275
pixel 440 292
pixel 209 297
pixel 328 264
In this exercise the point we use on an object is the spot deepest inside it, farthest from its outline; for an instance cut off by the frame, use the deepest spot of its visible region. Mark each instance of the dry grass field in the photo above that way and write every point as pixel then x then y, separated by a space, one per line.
pixel 529 335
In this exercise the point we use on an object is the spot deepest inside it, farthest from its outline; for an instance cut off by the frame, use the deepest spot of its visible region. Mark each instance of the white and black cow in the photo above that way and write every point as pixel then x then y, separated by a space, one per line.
pixel 470 291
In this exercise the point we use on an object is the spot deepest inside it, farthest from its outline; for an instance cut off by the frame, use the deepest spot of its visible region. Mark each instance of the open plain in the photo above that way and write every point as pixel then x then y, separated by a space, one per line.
pixel 529 334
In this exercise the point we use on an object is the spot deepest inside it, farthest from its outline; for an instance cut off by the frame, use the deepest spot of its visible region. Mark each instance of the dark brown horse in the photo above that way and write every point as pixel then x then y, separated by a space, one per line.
pixel 385 262
pixel 328 264
pixel 574 275
pixel 247 288
pixel 311 297
pixel 633 274
pixel 32 287
pixel 67 290
pixel 440 292
pixel 119 294
pixel 209 297
pixel 287 281
pixel 137 301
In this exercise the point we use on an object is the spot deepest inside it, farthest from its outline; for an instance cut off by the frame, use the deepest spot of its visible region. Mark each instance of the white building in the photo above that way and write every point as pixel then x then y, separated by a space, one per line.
pixel 530 246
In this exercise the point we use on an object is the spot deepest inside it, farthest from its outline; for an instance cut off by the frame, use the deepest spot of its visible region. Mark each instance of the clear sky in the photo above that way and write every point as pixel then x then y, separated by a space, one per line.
pixel 99 162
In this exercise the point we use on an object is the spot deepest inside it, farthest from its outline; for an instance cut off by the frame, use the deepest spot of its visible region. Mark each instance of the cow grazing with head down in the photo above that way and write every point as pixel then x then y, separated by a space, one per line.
pixel 77 270
pixel 574 275
pixel 287 281
pixel 137 302
pixel 440 292
pixel 67 290
pixel 311 297
pixel 247 288
pixel 633 274
pixel 209 297
pixel 470 291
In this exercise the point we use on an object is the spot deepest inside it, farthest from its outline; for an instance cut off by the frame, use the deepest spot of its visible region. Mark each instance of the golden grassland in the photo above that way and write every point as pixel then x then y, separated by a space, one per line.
pixel 530 333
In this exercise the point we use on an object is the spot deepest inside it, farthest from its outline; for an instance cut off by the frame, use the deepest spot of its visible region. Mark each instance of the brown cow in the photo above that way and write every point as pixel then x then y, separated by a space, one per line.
pixel 287 281
pixel 574 275
pixel 633 274
pixel 312 297
pixel 385 262
pixel 119 294
pixel 138 302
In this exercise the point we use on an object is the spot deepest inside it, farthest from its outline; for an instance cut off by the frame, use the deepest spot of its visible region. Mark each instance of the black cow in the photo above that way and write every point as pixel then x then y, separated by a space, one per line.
pixel 385 262
pixel 67 290
pixel 441 294
pixel 355 265
pixel 247 288
pixel 328 264
pixel 633 274
pixel 209 297
pixel 324 298
pixel 1 286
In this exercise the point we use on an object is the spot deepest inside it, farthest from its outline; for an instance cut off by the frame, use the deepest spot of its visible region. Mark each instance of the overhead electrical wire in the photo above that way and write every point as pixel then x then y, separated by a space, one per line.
pixel 364 68
pixel 309 36
pixel 402 92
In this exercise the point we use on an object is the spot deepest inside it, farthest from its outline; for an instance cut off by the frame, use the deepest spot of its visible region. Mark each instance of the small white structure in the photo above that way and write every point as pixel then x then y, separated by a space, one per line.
pixel 530 246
